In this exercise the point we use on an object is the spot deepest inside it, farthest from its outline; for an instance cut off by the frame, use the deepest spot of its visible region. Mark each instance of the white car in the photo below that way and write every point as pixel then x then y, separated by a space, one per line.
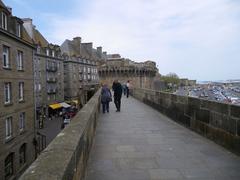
pixel 67 121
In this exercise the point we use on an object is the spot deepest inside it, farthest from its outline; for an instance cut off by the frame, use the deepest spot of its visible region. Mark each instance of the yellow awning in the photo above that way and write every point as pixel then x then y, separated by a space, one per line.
pixel 76 101
pixel 55 106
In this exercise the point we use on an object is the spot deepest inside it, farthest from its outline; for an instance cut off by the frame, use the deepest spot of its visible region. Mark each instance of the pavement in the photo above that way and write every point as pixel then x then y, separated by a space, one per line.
pixel 51 128
pixel 139 143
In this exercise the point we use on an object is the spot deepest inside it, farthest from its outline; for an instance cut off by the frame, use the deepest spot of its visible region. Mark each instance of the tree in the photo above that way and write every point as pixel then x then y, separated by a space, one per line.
pixel 173 75
pixel 171 79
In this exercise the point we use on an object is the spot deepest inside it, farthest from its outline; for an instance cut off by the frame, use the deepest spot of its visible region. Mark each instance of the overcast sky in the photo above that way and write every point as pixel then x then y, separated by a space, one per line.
pixel 197 39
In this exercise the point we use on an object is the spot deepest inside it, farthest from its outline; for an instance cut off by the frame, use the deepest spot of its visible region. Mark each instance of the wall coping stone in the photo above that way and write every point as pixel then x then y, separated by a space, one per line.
pixel 217 121
pixel 58 160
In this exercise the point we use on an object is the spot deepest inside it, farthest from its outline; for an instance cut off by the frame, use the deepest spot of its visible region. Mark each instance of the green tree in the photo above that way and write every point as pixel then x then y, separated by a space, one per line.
pixel 171 80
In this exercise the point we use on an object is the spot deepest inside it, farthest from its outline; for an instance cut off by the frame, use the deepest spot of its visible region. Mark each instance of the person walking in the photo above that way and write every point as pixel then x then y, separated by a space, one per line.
pixel 128 86
pixel 106 97
pixel 124 87
pixel 117 88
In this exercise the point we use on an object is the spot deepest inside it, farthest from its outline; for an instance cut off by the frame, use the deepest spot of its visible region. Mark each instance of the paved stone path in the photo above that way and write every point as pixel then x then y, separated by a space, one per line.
pixel 51 129
pixel 139 143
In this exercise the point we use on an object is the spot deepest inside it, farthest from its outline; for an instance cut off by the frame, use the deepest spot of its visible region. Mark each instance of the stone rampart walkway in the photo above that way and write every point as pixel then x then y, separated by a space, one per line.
pixel 139 143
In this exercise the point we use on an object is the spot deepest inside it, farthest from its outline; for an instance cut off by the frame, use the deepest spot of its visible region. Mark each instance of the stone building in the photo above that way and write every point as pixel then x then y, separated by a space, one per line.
pixel 187 82
pixel 80 69
pixel 140 74
pixel 48 74
pixel 17 150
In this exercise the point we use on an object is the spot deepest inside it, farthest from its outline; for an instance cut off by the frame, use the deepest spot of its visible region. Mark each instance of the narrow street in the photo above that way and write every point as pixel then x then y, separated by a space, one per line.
pixel 51 128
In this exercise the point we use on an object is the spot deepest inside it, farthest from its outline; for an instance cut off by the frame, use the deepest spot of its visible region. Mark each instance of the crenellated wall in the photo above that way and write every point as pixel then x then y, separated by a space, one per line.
pixel 66 156
pixel 138 78
pixel 217 121
pixel 140 74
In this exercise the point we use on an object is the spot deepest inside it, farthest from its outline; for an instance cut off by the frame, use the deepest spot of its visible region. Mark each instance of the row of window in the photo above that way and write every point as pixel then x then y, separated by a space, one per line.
pixel 84 69
pixel 39 74
pixel 52 64
pixel 87 69
pixel 85 61
pixel 85 77
pixel 48 52
pixel 8 92
pixel 20 66
pixel 52 97
pixel 9 161
pixel 4 24
pixel 4 21
pixel 48 63
pixel 9 125
pixel 6 58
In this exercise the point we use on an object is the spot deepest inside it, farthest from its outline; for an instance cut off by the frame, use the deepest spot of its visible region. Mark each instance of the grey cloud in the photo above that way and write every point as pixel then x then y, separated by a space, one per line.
pixel 182 36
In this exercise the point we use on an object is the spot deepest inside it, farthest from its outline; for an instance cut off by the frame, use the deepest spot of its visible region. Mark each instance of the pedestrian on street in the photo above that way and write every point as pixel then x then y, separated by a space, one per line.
pixel 117 88
pixel 106 97
pixel 124 87
pixel 128 86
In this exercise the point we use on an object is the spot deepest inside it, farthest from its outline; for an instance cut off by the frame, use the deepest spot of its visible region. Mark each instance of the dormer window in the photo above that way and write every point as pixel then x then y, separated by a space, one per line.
pixel 18 29
pixel 38 49
pixel 47 52
pixel 4 21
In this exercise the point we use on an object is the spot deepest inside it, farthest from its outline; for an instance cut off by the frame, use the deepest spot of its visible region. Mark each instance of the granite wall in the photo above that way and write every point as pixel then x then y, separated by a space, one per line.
pixel 66 156
pixel 219 122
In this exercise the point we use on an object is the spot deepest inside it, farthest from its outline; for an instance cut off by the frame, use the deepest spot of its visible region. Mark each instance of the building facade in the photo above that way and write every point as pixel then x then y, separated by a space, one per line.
pixel 187 82
pixel 48 74
pixel 17 150
pixel 81 78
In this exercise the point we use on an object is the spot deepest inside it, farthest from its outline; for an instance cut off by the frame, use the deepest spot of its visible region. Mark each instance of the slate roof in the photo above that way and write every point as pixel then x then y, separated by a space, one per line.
pixel 39 39
pixel 84 51
pixel 96 54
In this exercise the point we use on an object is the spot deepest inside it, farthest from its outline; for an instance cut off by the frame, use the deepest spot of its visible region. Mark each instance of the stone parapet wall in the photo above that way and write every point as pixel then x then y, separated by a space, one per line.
pixel 144 82
pixel 219 122
pixel 66 156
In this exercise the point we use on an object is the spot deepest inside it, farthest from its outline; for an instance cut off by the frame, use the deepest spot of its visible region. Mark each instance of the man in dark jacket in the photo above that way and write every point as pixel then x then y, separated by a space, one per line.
pixel 117 88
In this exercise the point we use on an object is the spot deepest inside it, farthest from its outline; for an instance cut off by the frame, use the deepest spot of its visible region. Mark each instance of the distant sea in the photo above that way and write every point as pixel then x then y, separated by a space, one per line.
pixel 220 81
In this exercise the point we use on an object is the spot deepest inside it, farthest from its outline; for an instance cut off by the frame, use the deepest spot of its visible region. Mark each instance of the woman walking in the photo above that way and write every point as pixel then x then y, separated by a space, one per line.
pixel 106 97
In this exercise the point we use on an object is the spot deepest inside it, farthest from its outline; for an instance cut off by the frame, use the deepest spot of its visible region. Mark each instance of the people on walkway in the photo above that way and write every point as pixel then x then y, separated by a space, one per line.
pixel 128 87
pixel 106 97
pixel 124 87
pixel 117 88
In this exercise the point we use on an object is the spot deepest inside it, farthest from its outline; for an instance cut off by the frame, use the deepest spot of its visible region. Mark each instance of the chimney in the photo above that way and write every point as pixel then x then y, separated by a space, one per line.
pixel 77 44
pixel 9 9
pixel 99 50
pixel 104 55
pixel 28 25
pixel 89 47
